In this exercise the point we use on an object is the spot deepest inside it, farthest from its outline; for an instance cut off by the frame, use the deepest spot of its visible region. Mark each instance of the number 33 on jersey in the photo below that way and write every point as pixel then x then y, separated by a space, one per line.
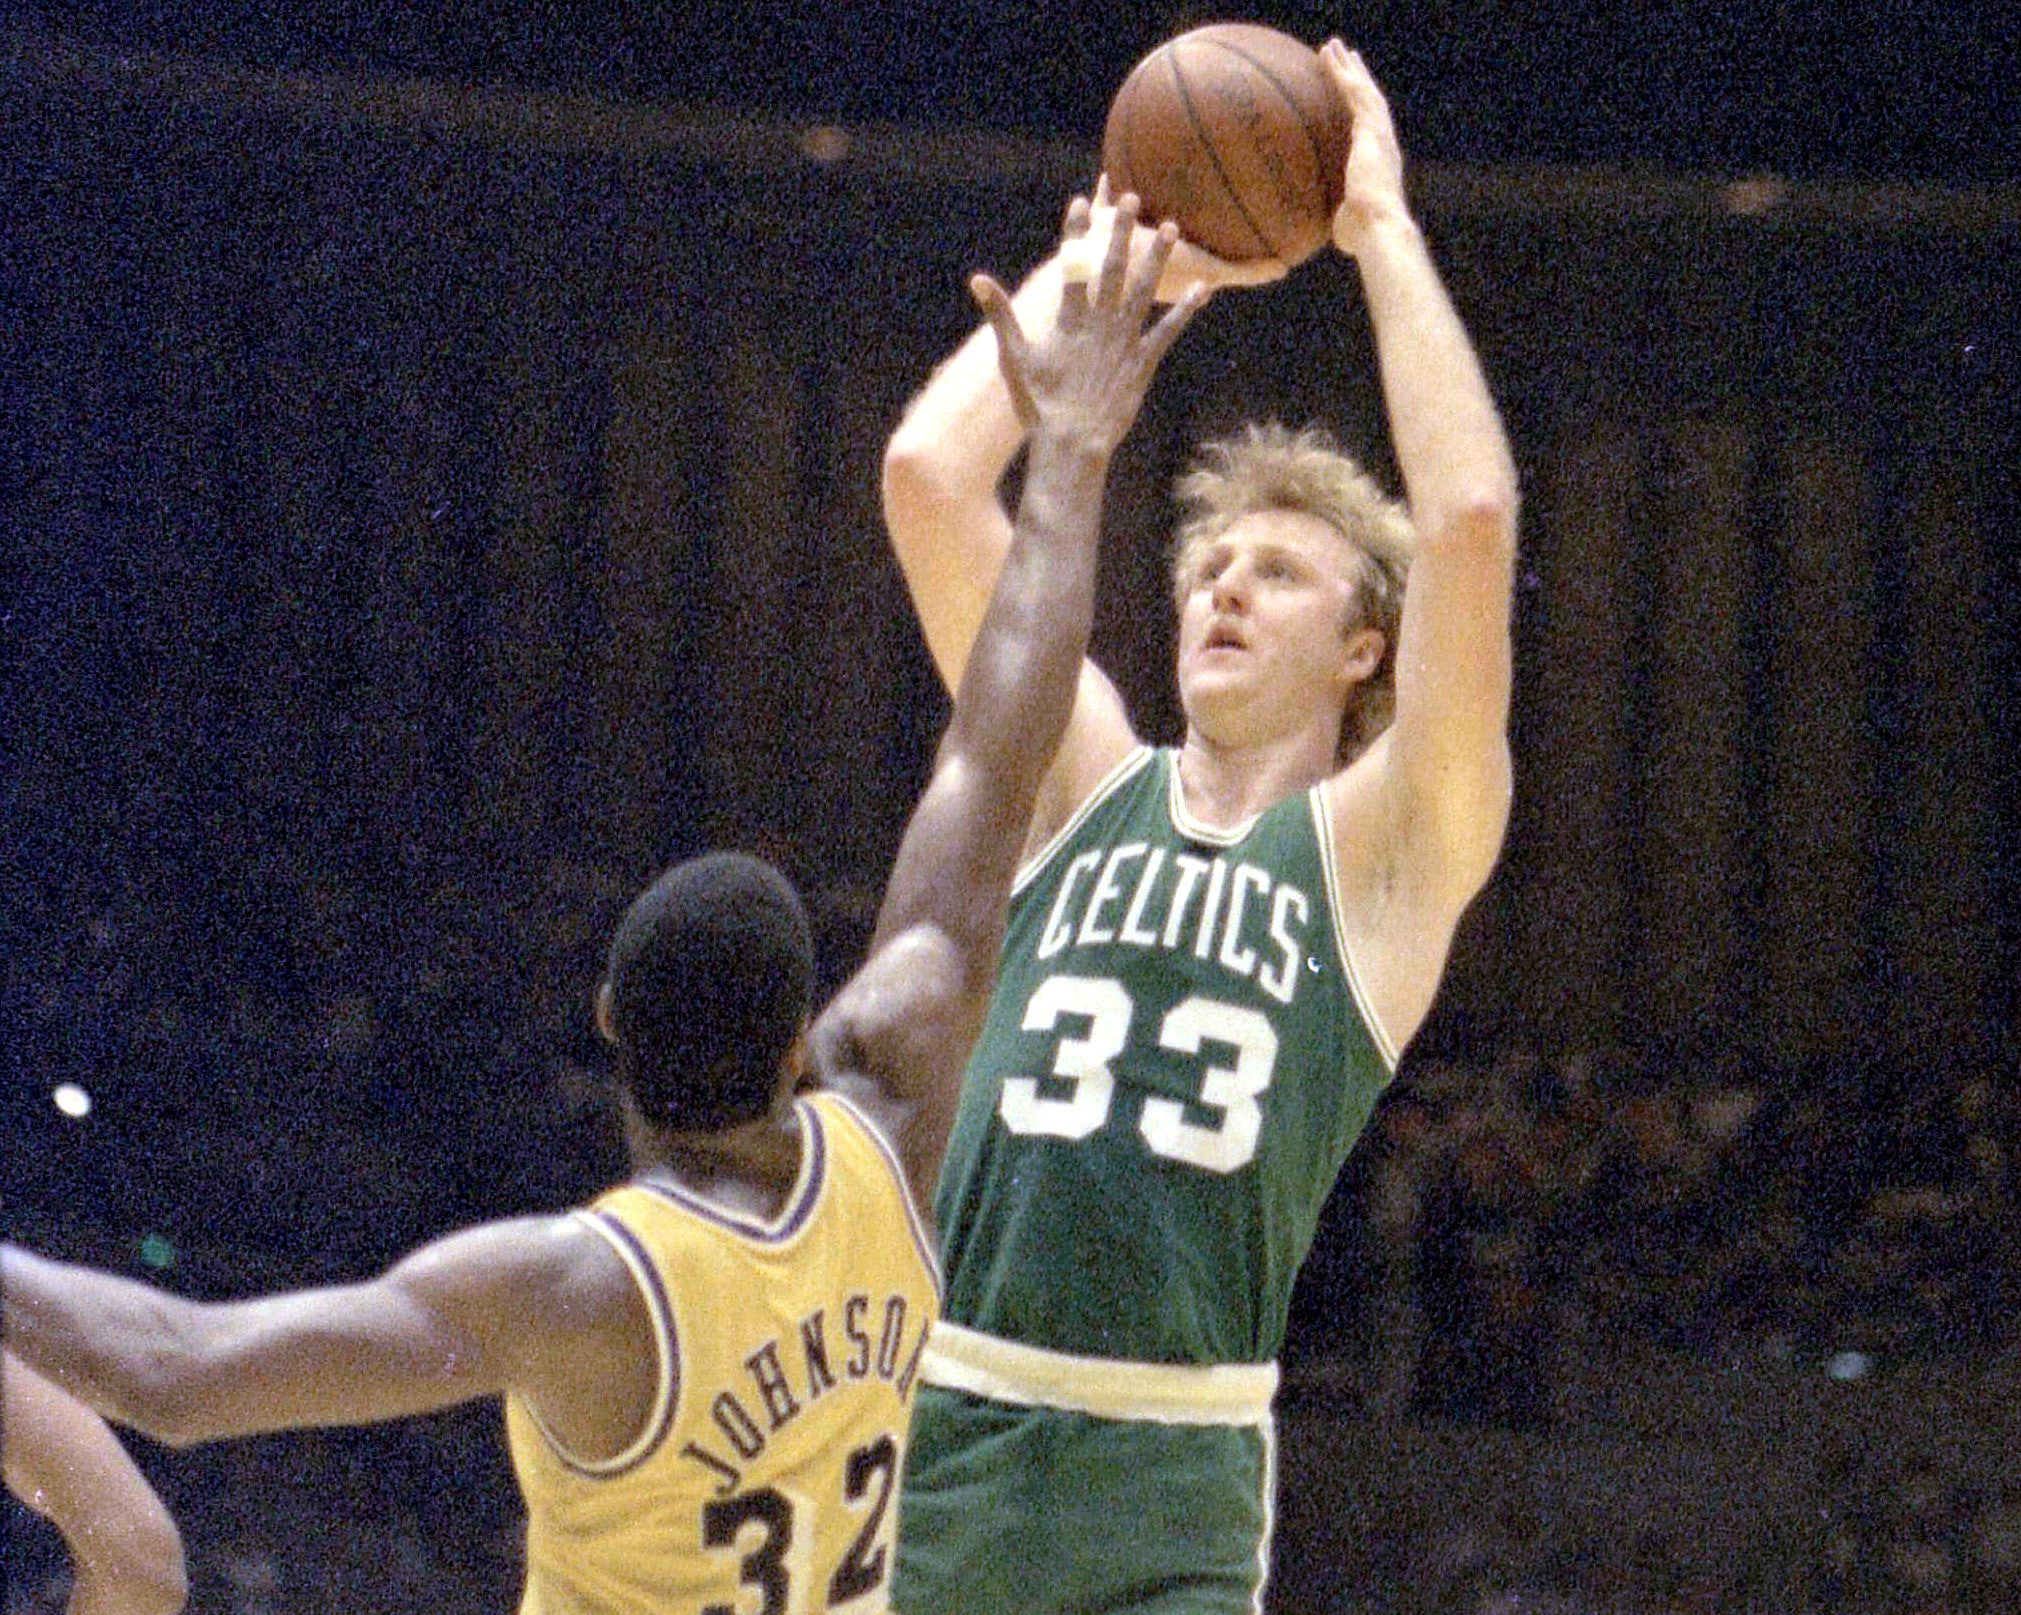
pixel 1175 1066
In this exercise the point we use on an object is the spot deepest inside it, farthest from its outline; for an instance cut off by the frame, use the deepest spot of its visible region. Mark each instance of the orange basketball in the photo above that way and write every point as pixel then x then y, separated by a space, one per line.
pixel 1234 134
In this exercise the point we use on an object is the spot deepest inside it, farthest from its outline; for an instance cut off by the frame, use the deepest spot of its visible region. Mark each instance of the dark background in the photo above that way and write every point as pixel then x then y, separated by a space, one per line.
pixel 437 464
pixel 1797 87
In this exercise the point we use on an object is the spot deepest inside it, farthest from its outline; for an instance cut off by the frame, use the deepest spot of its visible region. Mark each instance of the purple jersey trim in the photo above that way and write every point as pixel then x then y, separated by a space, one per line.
pixel 921 1241
pixel 799 1204
pixel 661 1420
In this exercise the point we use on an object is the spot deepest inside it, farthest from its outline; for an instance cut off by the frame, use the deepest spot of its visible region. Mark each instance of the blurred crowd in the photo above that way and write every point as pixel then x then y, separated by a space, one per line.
pixel 1515 1225
pixel 1524 1210
pixel 1888 1539
pixel 1878 1536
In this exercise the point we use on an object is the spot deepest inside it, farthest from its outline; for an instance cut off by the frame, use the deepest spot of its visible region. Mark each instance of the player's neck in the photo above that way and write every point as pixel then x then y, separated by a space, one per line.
pixel 1227 784
pixel 748 1171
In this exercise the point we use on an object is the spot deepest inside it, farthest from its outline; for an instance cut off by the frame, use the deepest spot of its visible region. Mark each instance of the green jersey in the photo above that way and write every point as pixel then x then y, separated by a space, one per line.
pixel 1175 1065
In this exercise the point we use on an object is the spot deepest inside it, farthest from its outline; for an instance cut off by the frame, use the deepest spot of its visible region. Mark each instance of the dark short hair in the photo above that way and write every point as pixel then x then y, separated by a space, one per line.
pixel 709 975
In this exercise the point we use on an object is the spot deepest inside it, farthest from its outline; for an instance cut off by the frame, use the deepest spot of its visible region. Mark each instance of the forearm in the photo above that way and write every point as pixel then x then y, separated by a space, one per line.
pixel 133 1567
pixel 1011 708
pixel 1018 691
pixel 61 1461
pixel 943 471
pixel 1458 472
pixel 94 1335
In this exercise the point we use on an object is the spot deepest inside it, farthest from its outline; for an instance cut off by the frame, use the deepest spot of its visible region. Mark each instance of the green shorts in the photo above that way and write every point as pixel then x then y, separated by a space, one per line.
pixel 1030 1511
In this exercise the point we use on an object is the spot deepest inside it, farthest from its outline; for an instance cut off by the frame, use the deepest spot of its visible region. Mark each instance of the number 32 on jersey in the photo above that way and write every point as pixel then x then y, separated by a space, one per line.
pixel 1097 1013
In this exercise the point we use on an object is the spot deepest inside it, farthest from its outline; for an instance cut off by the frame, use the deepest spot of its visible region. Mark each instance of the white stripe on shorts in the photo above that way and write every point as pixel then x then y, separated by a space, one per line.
pixel 958 1359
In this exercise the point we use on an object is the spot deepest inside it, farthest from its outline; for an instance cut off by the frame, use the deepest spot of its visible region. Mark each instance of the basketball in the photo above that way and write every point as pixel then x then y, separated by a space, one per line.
pixel 1233 133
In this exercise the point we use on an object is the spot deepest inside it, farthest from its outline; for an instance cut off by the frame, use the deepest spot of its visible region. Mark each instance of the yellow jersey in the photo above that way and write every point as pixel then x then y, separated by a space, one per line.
pixel 766 1480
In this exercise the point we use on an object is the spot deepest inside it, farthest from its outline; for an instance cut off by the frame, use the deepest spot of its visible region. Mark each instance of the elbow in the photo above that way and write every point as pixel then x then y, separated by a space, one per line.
pixel 910 451
pixel 173 1410
pixel 171 1431
pixel 156 1392
pixel 907 480
pixel 1495 506
pixel 156 1412
pixel 933 474
pixel 1481 522
pixel 916 481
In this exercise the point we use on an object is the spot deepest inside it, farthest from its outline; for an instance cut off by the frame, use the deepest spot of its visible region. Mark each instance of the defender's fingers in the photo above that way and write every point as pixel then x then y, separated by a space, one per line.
pixel 995 304
pixel 1012 351
pixel 1079 247
pixel 1149 269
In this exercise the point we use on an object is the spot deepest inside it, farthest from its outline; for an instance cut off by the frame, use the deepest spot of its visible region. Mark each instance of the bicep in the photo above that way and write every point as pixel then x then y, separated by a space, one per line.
pixel 441 1327
pixel 896 1040
pixel 1446 758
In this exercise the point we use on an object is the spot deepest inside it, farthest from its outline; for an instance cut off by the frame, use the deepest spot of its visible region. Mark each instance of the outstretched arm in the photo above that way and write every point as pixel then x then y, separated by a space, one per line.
pixel 468 1315
pixel 1073 385
pixel 61 1461
pixel 1444 765
pixel 943 472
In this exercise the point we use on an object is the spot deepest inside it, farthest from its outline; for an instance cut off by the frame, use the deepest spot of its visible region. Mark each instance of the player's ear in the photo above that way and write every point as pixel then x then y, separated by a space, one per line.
pixel 1361 654
pixel 606 1014
pixel 796 1068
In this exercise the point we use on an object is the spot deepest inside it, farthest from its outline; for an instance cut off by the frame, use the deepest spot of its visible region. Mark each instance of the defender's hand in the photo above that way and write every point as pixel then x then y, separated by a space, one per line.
pixel 1087 376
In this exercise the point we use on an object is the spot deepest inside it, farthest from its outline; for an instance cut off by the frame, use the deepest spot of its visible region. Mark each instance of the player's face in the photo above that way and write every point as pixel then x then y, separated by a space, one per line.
pixel 1263 626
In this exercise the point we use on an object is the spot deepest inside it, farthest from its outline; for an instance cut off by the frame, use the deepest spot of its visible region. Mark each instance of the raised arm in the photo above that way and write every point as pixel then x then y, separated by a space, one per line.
pixel 943 473
pixel 1444 765
pixel 61 1461
pixel 1072 383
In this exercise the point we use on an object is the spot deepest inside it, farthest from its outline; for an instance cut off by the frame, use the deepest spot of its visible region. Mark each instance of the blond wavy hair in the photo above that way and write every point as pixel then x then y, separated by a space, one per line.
pixel 1268 466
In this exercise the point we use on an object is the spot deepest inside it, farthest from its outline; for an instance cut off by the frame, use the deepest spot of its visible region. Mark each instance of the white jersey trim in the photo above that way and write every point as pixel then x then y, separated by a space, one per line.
pixel 958 1359
pixel 1322 830
pixel 1114 781
pixel 1198 829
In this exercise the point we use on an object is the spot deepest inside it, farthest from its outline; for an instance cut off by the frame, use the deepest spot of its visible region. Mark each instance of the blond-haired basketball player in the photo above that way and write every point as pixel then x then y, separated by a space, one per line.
pixel 707 1373
pixel 1213 956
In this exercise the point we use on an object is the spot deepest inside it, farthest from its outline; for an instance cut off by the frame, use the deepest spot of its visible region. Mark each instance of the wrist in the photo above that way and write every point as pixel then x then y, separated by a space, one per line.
pixel 1381 226
pixel 1072 451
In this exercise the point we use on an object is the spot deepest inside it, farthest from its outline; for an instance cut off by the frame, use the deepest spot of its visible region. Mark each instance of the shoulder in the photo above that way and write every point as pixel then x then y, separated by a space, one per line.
pixel 522 1267
pixel 1122 785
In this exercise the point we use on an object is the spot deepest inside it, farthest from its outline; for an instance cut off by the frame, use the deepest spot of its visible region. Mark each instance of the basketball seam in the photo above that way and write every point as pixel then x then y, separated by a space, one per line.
pixel 1207 145
pixel 1319 165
